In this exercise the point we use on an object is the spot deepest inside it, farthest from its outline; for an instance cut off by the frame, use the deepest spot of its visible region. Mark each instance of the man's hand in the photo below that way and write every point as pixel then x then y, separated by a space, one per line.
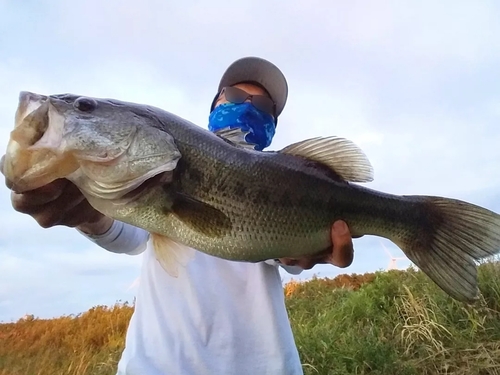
pixel 59 203
pixel 341 255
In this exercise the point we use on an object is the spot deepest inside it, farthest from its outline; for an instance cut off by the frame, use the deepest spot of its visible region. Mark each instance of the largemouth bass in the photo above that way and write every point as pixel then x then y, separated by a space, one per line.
pixel 191 188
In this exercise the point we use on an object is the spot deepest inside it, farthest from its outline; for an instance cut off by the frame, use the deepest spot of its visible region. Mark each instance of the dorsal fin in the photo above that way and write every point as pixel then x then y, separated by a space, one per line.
pixel 339 154
pixel 236 137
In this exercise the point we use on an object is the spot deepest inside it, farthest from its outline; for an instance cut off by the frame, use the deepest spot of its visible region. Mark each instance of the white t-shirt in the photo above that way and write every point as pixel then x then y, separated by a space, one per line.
pixel 217 318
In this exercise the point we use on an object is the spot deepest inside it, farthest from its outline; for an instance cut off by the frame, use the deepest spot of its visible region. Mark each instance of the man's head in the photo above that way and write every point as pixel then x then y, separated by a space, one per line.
pixel 250 92
pixel 256 76
pixel 251 95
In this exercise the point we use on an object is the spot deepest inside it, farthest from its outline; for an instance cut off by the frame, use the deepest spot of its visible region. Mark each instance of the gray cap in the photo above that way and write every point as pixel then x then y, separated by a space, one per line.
pixel 261 71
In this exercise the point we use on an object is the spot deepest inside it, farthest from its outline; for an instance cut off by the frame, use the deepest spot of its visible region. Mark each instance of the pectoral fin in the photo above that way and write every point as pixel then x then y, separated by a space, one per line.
pixel 236 137
pixel 201 217
pixel 339 154
pixel 170 254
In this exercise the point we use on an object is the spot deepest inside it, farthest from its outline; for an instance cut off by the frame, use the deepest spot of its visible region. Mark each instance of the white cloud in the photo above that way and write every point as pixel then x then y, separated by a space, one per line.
pixel 414 84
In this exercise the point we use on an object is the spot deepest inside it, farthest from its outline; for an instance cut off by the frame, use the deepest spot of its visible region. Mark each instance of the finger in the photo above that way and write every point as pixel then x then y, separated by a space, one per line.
pixel 54 212
pixel 49 218
pixel 39 199
pixel 288 261
pixel 343 248
pixel 2 161
pixel 81 213
pixel 8 182
pixel 31 201
pixel 307 263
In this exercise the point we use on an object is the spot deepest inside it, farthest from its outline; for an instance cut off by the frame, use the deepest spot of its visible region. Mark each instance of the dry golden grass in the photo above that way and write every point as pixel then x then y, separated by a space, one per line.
pixel 89 343
pixel 379 323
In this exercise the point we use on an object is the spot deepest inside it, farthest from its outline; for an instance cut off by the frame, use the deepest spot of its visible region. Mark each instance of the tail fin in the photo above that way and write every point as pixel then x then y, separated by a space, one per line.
pixel 452 237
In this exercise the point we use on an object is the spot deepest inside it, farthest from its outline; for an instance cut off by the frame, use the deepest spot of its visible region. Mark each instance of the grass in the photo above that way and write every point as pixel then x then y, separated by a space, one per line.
pixel 395 322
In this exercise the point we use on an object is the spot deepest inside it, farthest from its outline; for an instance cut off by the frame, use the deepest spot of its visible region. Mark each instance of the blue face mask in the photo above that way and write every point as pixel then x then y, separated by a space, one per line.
pixel 245 116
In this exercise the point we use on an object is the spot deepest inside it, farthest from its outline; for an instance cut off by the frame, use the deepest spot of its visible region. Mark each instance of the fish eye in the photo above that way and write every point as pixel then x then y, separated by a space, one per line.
pixel 85 104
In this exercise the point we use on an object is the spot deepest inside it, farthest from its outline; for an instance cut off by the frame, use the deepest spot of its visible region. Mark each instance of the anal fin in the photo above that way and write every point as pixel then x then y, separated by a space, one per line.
pixel 170 254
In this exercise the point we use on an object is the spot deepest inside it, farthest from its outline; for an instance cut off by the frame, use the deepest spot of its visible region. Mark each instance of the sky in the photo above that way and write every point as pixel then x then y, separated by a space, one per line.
pixel 415 84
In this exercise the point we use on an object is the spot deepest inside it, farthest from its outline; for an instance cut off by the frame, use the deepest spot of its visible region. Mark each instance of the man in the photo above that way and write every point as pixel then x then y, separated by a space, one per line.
pixel 218 317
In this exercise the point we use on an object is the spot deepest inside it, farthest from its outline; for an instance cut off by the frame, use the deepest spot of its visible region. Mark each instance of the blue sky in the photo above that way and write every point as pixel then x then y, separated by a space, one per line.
pixel 415 84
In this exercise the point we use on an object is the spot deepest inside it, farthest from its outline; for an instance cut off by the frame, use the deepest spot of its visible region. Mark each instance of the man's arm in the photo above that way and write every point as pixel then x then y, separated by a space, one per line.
pixel 120 238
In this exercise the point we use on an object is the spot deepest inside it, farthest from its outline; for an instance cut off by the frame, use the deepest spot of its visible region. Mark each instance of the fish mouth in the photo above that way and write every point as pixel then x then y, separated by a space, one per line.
pixel 31 119
pixel 27 165
pixel 28 103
